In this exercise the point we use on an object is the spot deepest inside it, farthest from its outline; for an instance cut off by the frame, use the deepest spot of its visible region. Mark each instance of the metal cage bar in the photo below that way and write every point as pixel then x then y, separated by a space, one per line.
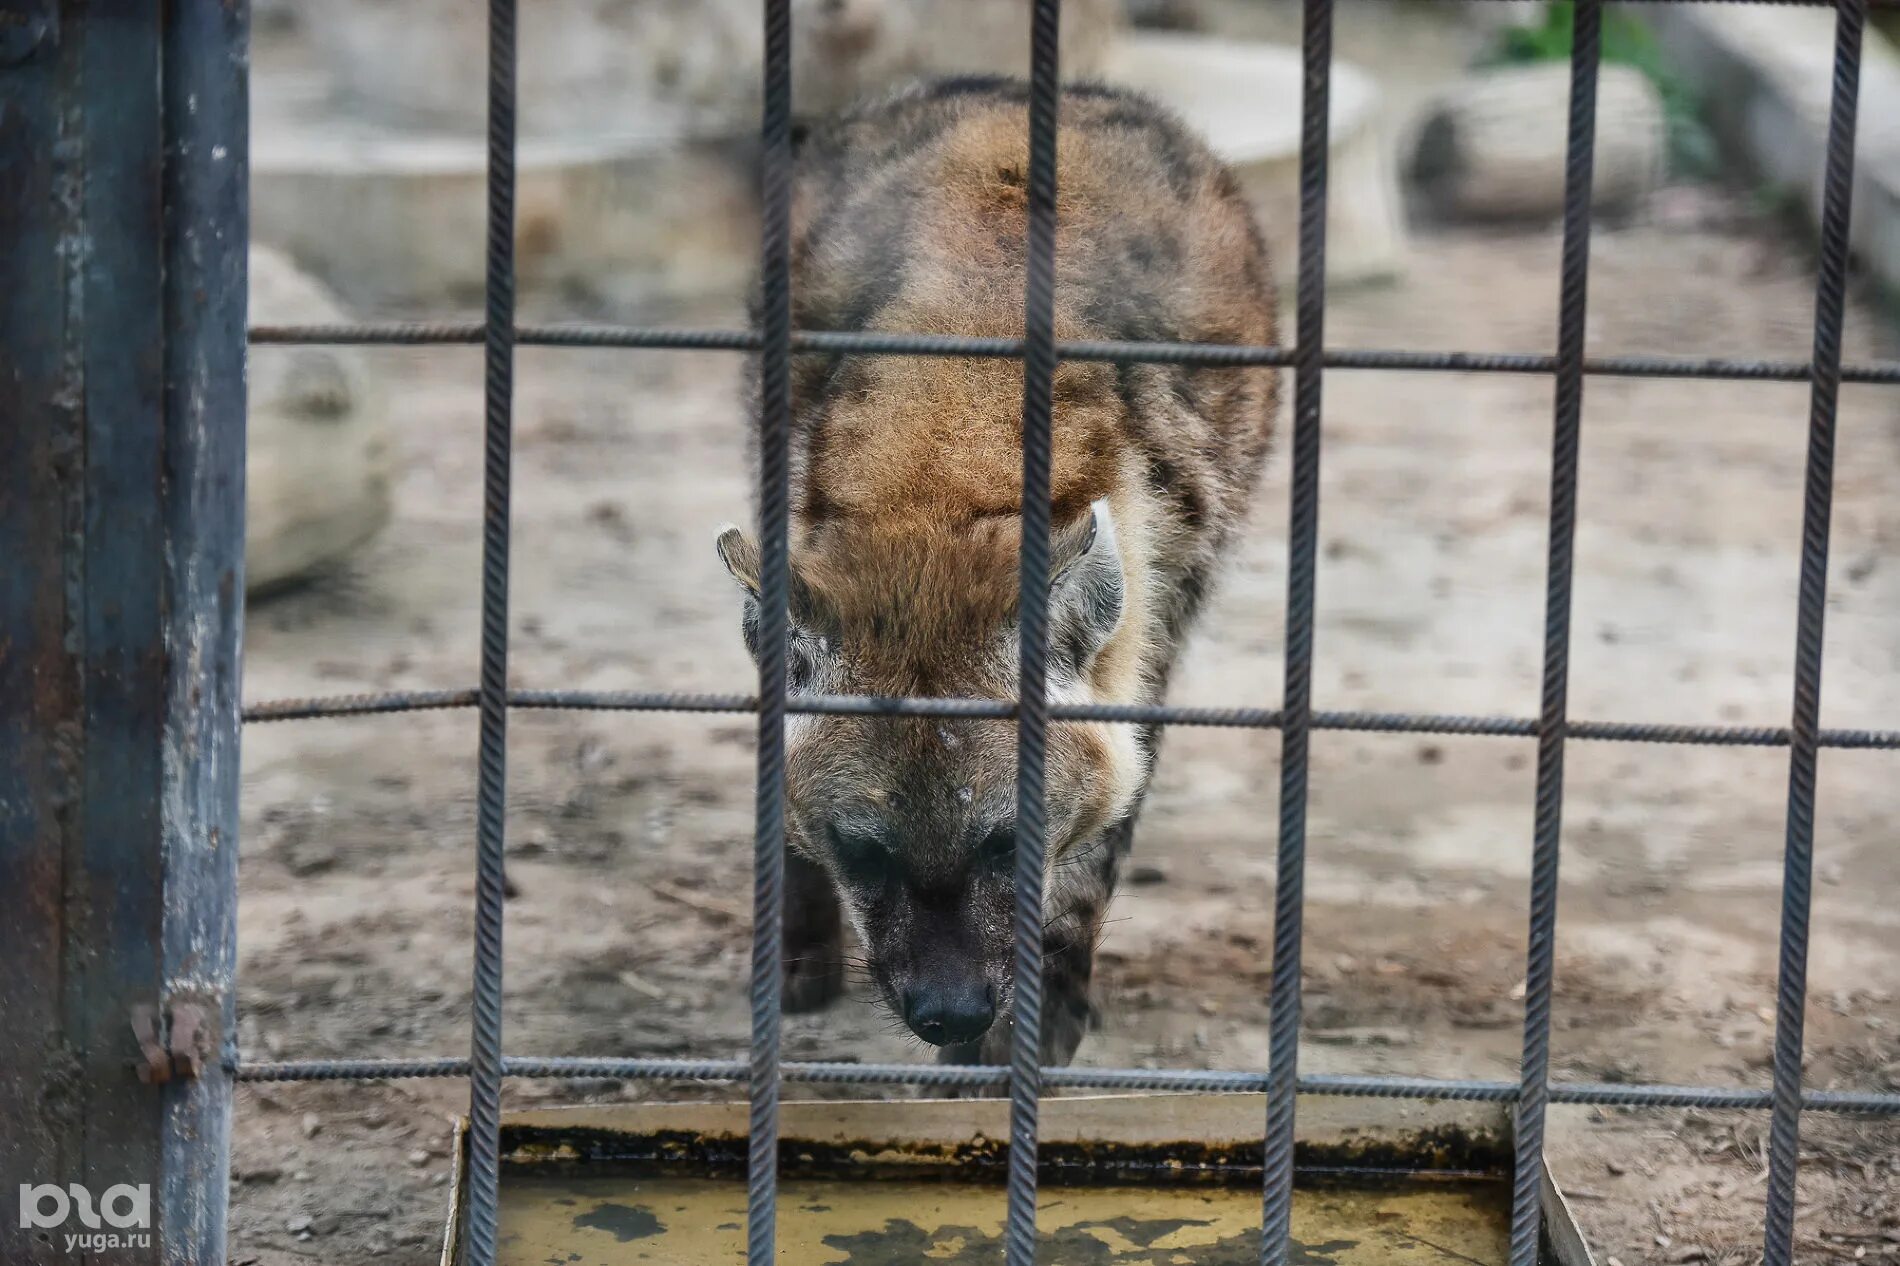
pixel 1830 300
pixel 775 429
pixel 1370 1086
pixel 880 343
pixel 491 793
pixel 1547 830
pixel 1032 710
pixel 1289 890
pixel 776 341
pixel 341 706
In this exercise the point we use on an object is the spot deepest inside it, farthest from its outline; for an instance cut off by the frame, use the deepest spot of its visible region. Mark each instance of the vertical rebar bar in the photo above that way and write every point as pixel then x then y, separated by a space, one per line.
pixel 1289 894
pixel 1039 369
pixel 775 428
pixel 1784 1132
pixel 1553 715
pixel 491 797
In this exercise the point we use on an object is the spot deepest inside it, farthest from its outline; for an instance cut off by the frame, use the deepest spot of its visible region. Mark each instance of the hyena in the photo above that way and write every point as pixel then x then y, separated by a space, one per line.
pixel 910 215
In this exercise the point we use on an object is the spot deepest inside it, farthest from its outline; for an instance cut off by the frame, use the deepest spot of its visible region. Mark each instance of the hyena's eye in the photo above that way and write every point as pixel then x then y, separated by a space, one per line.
pixel 802 664
pixel 997 852
pixel 862 856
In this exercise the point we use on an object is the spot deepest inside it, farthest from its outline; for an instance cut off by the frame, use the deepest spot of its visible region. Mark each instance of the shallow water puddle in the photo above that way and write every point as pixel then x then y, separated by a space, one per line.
pixel 606 1220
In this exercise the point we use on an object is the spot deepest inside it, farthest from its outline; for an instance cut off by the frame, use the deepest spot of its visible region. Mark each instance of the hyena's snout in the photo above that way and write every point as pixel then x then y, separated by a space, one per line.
pixel 947 988
pixel 948 1009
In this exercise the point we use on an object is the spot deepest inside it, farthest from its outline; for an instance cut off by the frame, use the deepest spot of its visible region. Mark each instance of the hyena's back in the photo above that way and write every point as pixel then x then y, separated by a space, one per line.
pixel 911 215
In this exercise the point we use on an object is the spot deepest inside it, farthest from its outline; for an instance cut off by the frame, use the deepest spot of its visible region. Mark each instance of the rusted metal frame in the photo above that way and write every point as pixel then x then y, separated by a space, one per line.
pixel 122 319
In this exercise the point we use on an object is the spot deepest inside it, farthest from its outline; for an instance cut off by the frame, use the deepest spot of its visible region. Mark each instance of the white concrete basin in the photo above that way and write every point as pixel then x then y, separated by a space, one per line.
pixel 1244 97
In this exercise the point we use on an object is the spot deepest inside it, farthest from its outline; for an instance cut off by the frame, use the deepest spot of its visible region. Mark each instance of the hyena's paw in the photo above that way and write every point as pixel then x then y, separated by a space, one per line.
pixel 814 938
pixel 812 984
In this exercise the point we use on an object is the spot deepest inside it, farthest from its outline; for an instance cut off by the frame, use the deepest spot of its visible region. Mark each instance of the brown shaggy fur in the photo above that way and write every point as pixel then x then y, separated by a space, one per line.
pixel 910 215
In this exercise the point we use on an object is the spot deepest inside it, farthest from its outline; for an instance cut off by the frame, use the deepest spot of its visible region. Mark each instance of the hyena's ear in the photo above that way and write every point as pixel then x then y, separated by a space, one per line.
pixel 1086 593
pixel 740 554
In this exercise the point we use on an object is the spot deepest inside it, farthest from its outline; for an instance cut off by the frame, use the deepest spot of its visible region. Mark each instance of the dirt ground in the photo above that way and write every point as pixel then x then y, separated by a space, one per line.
pixel 629 833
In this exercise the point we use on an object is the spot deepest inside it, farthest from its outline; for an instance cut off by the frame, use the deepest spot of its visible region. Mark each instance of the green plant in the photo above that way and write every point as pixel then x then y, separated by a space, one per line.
pixel 1626 41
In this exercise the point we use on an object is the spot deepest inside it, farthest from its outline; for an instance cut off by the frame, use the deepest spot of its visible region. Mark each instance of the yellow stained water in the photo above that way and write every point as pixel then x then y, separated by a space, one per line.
pixel 609 1220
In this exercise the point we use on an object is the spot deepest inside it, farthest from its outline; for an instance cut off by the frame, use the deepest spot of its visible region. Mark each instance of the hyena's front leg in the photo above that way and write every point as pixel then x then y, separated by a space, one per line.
pixel 1079 888
pixel 814 937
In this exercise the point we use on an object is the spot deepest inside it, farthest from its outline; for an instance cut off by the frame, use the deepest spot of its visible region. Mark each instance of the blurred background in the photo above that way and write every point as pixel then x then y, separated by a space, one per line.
pixel 629 833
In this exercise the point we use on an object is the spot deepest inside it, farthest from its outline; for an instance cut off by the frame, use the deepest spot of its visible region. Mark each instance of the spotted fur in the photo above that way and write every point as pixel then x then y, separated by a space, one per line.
pixel 910 215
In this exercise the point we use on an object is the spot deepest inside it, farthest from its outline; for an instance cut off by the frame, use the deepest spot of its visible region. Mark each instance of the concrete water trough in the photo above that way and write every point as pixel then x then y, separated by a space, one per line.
pixel 1129 1180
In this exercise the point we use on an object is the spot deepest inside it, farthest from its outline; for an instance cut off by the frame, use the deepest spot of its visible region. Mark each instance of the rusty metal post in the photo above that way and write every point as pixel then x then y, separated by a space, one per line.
pixel 123 174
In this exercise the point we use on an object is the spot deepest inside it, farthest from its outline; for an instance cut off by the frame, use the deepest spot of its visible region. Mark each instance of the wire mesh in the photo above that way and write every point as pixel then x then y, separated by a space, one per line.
pixel 776 341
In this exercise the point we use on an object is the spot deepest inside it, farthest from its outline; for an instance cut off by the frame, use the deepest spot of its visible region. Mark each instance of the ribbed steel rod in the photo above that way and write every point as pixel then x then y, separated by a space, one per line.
pixel 1553 717
pixel 491 793
pixel 882 343
pixel 1296 712
pixel 1797 882
pixel 1032 712
pixel 337 706
pixel 1607 1094
pixel 775 437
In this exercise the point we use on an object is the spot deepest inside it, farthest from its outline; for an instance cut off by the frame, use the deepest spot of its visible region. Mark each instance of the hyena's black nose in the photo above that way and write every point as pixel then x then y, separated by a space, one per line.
pixel 946 1014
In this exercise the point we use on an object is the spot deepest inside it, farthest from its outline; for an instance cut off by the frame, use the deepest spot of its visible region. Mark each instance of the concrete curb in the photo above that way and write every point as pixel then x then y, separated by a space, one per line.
pixel 1765 75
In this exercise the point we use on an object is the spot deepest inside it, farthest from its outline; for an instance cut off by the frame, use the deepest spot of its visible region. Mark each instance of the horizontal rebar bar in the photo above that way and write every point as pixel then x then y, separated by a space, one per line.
pixel 830 342
pixel 1606 1094
pixel 333 706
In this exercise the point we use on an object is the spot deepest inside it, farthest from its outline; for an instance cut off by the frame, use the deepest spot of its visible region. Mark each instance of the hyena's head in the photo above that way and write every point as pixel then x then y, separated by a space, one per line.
pixel 914 817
